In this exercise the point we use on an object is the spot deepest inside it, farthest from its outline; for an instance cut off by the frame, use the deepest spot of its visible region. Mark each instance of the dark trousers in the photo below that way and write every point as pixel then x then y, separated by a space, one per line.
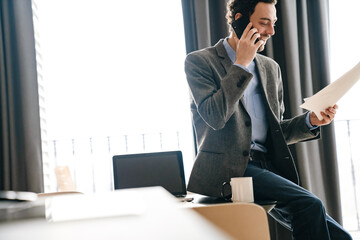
pixel 297 209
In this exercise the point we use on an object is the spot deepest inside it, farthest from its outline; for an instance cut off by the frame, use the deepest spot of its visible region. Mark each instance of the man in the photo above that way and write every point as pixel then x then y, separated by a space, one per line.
pixel 237 108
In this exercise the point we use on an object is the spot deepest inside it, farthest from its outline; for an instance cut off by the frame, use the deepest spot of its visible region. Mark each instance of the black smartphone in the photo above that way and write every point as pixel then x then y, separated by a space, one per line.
pixel 239 25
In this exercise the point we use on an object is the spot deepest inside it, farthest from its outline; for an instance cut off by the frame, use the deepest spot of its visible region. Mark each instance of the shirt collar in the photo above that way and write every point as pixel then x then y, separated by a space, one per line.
pixel 230 52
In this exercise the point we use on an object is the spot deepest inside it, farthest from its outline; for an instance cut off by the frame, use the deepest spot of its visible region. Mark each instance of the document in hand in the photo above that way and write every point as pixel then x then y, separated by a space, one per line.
pixel 332 93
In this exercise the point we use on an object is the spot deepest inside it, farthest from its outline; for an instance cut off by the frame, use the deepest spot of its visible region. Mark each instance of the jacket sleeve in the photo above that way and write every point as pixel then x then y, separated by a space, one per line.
pixel 215 99
pixel 295 129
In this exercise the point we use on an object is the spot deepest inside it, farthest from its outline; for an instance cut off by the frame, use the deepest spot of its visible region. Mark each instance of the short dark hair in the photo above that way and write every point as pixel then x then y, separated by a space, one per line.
pixel 245 7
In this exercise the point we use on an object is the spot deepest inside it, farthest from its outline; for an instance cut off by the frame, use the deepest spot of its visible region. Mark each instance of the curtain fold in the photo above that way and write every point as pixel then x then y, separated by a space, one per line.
pixel 304 61
pixel 301 47
pixel 20 139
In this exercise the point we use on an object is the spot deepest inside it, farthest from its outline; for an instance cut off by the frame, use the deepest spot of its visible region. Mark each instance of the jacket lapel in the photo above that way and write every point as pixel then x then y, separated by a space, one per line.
pixel 267 85
pixel 221 52
pixel 262 74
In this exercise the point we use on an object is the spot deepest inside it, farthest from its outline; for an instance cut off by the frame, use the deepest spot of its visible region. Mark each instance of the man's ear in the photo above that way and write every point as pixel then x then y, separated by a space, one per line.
pixel 237 16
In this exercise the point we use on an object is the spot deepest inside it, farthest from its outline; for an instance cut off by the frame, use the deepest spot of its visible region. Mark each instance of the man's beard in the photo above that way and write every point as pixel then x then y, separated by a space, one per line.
pixel 262 47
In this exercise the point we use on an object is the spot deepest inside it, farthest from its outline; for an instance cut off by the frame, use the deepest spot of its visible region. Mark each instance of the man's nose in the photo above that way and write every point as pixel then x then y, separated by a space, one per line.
pixel 270 30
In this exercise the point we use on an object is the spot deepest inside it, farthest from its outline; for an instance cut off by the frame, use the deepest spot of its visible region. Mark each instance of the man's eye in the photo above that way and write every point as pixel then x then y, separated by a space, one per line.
pixel 267 23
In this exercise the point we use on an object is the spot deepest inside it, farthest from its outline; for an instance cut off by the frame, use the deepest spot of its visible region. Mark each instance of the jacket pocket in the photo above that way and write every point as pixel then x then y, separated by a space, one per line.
pixel 210 165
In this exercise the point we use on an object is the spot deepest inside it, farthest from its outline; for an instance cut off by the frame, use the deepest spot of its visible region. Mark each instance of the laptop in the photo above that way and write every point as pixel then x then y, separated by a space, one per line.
pixel 163 169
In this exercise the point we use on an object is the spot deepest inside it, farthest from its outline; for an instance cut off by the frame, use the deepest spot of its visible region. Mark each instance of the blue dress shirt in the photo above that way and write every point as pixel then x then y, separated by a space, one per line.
pixel 255 104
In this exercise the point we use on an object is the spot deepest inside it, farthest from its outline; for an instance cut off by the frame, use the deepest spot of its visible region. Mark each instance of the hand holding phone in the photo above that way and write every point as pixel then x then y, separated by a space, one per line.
pixel 239 26
pixel 248 45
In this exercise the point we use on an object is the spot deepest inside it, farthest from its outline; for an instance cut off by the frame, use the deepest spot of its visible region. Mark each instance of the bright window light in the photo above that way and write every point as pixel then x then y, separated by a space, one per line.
pixel 114 83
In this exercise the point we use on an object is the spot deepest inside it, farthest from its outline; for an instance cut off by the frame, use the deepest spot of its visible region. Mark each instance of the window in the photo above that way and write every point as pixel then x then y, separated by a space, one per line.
pixel 345 53
pixel 114 83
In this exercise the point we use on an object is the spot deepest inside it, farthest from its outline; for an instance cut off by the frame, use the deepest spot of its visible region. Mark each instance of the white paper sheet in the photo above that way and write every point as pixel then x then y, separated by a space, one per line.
pixel 331 94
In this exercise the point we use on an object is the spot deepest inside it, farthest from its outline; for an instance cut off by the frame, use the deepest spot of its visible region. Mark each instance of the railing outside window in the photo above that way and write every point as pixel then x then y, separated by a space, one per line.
pixel 348 154
pixel 90 159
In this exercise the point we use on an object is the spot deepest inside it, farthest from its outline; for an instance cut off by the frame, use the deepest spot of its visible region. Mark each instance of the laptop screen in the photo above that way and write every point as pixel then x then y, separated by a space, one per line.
pixel 150 169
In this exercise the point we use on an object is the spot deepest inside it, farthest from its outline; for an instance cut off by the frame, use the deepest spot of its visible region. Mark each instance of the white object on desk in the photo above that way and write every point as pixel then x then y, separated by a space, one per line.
pixel 242 189
pixel 75 207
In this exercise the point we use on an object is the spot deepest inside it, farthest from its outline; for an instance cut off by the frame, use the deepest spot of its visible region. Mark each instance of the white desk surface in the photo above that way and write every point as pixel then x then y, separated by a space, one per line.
pixel 147 213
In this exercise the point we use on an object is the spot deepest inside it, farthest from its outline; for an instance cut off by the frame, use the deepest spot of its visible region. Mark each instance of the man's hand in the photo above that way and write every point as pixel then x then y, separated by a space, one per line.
pixel 328 116
pixel 246 47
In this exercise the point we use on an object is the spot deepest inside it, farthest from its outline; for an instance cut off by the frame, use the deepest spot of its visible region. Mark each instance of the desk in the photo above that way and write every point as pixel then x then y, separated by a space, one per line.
pixel 201 200
pixel 240 220
pixel 148 213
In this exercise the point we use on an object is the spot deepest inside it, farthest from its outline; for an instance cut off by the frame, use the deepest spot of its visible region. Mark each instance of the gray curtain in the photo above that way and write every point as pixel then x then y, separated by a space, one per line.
pixel 301 47
pixel 20 142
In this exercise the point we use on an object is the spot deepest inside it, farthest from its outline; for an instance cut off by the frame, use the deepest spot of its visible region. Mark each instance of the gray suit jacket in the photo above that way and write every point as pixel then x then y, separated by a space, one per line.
pixel 223 126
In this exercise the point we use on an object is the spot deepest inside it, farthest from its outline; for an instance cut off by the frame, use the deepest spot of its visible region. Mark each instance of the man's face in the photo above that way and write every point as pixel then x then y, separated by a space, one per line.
pixel 263 19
